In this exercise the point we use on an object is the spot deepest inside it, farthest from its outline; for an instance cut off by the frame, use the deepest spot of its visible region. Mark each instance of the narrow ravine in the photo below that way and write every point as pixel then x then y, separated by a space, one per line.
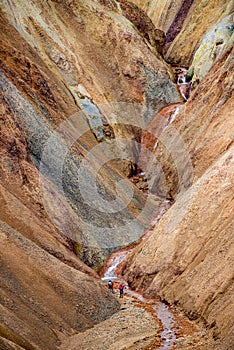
pixel 115 264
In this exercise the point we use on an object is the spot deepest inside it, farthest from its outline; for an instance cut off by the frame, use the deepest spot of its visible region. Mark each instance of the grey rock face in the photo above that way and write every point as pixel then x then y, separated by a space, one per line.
pixel 214 44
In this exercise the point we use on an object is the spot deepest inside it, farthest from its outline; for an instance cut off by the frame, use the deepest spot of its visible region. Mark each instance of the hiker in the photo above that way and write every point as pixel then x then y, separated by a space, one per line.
pixel 110 286
pixel 121 288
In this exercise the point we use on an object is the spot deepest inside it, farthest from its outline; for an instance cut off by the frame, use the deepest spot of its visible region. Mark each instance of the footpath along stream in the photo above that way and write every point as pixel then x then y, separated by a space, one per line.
pixel 159 309
pixel 176 331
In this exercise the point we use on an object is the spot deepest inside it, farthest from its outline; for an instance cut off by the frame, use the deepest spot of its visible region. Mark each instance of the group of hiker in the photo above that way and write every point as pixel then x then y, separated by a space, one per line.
pixel 121 288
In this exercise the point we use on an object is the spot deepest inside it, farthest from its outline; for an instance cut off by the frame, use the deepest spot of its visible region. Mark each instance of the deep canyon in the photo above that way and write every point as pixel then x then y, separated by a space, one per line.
pixel 116 123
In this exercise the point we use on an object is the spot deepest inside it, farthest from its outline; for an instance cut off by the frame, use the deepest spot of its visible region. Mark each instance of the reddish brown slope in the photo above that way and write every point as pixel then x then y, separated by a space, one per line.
pixel 188 259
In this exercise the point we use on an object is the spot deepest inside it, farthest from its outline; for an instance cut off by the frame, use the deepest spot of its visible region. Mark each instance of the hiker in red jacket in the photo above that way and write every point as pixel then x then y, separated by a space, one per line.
pixel 121 288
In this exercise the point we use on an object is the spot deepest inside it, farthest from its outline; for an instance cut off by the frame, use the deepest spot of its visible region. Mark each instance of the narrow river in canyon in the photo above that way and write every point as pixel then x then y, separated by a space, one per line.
pixel 114 266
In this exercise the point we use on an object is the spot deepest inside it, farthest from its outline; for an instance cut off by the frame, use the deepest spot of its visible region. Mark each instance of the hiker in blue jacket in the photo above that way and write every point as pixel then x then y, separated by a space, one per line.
pixel 110 286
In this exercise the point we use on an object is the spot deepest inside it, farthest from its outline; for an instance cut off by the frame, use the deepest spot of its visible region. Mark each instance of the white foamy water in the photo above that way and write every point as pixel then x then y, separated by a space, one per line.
pixel 173 116
pixel 183 95
pixel 181 79
pixel 166 317
pixel 116 260
pixel 155 145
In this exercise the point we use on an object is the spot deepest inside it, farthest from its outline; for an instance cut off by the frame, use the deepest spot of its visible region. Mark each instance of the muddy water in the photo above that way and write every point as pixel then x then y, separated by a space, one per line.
pixel 116 261
pixel 168 322
pixel 113 272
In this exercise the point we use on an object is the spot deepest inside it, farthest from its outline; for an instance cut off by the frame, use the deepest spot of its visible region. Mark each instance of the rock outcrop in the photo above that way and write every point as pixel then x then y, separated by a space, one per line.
pixel 215 43
pixel 142 22
pixel 185 23
pixel 202 16
pixel 162 13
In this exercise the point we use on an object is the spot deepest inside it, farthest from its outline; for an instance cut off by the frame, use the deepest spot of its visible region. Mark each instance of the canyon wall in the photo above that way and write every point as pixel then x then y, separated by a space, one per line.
pixel 70 94
pixel 162 13
pixel 80 82
pixel 185 23
pixel 43 299
pixel 202 16
pixel 188 259
pixel 71 89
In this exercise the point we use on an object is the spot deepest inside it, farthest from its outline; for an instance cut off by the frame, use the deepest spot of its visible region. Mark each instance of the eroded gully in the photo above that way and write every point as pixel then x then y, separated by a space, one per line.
pixel 117 260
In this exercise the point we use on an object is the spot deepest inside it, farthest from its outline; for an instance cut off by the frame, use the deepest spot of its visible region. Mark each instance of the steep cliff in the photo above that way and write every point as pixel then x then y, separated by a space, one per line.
pixel 162 13
pixel 215 43
pixel 43 299
pixel 202 16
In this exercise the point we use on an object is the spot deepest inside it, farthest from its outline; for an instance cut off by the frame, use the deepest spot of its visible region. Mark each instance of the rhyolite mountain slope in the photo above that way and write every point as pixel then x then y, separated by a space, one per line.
pixel 188 260
pixel 185 22
pixel 66 88
pixel 50 73
pixel 80 81
pixel 44 299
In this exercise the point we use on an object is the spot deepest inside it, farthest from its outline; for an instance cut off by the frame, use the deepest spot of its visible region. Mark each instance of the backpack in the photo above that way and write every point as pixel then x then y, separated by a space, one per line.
pixel 110 284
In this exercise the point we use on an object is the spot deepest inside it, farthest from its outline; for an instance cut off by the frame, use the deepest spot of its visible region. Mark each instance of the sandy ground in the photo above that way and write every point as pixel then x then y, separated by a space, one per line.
pixel 135 327
pixel 131 328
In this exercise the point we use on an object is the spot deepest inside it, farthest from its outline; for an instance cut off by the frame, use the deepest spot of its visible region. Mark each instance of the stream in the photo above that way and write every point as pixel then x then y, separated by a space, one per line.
pixel 117 260
pixel 113 272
